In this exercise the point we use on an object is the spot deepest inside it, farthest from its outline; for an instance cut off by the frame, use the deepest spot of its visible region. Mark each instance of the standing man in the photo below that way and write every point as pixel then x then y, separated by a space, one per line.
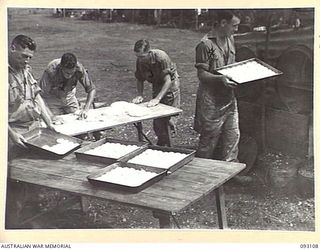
pixel 59 82
pixel 216 117
pixel 25 110
pixel 155 66
pixel 26 107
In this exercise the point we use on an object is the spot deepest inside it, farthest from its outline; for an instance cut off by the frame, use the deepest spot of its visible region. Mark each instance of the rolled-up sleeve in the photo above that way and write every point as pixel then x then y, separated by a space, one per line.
pixel 202 57
pixel 85 80
pixel 166 65
pixel 138 74
pixel 45 83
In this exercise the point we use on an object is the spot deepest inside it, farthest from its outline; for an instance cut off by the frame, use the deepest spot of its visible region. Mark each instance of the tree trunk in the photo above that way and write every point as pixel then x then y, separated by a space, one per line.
pixel 181 19
pixel 133 16
pixel 157 16
pixel 197 19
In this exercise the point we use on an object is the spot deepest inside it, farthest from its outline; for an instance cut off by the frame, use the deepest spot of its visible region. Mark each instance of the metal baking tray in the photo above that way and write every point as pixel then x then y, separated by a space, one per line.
pixel 275 71
pixel 188 152
pixel 92 178
pixel 82 155
pixel 37 138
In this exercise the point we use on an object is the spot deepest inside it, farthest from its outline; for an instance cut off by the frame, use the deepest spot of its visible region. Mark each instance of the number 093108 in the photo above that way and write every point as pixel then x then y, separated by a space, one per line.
pixel 307 246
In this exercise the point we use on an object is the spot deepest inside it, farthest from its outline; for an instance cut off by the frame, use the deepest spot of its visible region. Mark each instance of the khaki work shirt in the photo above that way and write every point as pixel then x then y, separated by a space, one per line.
pixel 214 98
pixel 59 90
pixel 23 109
pixel 154 68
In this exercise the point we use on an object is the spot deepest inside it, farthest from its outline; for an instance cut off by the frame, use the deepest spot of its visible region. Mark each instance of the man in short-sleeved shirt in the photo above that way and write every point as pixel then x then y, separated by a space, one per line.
pixel 216 117
pixel 59 82
pixel 155 66
pixel 154 69
pixel 25 106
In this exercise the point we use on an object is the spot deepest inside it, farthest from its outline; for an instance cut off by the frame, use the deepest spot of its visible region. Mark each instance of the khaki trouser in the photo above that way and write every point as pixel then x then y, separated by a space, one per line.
pixel 161 125
pixel 16 195
pixel 226 132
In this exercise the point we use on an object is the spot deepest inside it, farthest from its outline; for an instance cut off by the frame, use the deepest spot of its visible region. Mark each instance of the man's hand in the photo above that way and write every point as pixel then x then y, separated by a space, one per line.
pixel 83 114
pixel 153 102
pixel 228 82
pixel 57 120
pixel 18 139
pixel 50 126
pixel 138 99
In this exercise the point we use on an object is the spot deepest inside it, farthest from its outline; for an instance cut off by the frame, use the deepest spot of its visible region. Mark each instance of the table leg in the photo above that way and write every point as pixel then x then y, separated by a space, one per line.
pixel 164 219
pixel 169 136
pixel 85 204
pixel 15 201
pixel 64 204
pixel 263 118
pixel 140 133
pixel 222 218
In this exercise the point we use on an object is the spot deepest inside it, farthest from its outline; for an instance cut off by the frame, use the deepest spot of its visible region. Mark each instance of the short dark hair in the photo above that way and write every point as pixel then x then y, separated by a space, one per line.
pixel 142 45
pixel 224 14
pixel 24 42
pixel 68 60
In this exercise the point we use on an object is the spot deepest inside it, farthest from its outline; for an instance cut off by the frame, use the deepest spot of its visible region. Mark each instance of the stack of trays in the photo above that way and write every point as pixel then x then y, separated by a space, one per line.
pixel 142 168
pixel 109 150
pixel 249 70
pixel 49 143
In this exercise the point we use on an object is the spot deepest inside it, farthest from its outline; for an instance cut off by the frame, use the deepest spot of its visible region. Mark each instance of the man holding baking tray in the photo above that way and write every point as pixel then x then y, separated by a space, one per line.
pixel 216 116
pixel 59 81
pixel 25 110
pixel 25 105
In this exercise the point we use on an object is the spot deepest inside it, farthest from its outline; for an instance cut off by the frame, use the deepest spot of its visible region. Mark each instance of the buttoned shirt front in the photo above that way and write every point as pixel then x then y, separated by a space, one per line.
pixel 23 109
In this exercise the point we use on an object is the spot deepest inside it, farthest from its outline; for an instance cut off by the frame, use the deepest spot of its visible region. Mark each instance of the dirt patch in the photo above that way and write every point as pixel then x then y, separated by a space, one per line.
pixel 106 51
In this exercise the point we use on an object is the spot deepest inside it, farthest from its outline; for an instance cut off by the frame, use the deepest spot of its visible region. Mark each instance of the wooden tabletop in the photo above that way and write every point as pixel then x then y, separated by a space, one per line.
pixel 108 117
pixel 171 194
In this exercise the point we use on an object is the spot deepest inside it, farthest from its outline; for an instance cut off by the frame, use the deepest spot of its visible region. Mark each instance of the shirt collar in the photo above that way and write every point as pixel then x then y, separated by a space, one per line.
pixel 212 35
pixel 152 57
pixel 26 68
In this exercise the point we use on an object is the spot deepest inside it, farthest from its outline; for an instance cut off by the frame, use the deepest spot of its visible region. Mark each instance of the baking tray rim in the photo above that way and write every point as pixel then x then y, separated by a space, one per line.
pixel 92 176
pixel 276 71
pixel 81 155
pixel 190 154
pixel 37 147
